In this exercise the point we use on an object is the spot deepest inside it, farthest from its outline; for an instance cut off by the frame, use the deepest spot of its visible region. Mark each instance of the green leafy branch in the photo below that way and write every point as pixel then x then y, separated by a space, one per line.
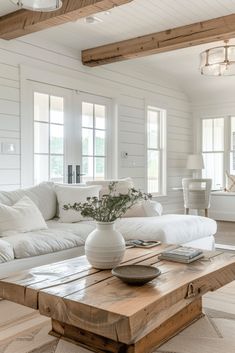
pixel 110 206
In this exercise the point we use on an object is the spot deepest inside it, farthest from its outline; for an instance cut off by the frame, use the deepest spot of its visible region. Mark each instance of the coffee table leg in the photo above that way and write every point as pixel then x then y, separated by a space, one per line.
pixel 154 339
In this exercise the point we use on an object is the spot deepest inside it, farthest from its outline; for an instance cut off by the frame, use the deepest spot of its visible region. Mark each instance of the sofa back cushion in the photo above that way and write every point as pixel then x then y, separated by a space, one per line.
pixel 23 216
pixel 43 195
pixel 122 186
pixel 71 195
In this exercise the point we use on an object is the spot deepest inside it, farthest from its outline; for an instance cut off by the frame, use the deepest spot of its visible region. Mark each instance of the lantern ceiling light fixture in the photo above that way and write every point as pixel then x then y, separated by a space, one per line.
pixel 38 5
pixel 218 61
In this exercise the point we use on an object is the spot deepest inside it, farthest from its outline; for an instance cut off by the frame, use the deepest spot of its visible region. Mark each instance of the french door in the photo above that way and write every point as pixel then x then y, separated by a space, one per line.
pixel 67 136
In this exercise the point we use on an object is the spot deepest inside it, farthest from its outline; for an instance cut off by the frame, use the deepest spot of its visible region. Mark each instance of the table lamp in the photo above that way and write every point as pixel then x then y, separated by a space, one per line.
pixel 195 162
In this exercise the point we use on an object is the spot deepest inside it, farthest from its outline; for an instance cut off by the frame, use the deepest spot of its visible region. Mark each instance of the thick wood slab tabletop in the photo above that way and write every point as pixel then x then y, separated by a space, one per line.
pixel 76 294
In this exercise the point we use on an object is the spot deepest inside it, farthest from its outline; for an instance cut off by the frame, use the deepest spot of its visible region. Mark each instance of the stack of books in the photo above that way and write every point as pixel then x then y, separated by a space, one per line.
pixel 182 254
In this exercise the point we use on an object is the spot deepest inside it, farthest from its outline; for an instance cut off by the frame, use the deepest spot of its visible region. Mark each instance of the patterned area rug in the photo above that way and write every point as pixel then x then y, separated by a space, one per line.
pixel 23 330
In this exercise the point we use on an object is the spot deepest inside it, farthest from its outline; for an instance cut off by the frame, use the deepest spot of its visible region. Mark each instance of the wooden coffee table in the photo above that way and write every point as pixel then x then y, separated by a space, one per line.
pixel 100 312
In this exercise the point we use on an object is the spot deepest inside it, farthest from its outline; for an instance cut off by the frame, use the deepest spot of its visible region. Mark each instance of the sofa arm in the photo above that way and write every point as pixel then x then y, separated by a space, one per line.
pixel 152 208
pixel 147 208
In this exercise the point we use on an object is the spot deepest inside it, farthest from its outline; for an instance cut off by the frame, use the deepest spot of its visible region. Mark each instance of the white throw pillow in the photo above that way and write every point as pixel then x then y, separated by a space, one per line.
pixel 122 186
pixel 23 216
pixel 71 195
pixel 43 195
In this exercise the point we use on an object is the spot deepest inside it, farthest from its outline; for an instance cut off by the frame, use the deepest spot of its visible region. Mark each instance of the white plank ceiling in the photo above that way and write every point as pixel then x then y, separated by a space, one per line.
pixel 136 18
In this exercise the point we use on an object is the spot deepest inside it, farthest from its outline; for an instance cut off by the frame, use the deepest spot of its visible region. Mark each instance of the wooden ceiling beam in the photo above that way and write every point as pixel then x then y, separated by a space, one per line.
pixel 22 22
pixel 181 37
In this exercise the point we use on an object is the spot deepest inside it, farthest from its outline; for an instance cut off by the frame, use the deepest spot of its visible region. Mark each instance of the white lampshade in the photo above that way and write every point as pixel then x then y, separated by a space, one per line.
pixel 38 5
pixel 195 161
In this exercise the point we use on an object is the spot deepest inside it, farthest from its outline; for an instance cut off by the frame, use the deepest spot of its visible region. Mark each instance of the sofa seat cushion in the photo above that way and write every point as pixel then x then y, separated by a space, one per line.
pixel 6 251
pixel 172 229
pixel 42 242
pixel 81 229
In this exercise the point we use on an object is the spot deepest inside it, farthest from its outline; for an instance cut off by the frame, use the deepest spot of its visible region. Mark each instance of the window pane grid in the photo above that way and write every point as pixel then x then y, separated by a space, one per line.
pixel 213 150
pixel 93 141
pixel 48 137
pixel 155 143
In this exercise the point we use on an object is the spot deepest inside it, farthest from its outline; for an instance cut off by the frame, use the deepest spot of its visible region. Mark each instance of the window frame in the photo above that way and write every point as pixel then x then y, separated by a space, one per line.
pixel 72 127
pixel 227 142
pixel 48 123
pixel 110 139
pixel 162 149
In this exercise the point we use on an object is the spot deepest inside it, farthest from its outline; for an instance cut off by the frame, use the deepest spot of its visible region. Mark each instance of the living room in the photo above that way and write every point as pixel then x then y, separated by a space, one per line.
pixel 124 90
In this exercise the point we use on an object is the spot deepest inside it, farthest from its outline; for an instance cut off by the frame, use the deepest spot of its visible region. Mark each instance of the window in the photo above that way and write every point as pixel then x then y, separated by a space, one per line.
pixel 156 151
pixel 48 138
pixel 93 141
pixel 213 150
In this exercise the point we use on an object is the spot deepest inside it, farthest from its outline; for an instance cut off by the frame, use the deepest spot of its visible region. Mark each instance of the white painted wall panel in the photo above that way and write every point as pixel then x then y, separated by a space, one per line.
pixel 130 90
pixel 9 162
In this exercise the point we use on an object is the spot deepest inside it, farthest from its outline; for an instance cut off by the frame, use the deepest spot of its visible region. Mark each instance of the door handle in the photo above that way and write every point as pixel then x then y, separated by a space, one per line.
pixel 78 174
pixel 70 174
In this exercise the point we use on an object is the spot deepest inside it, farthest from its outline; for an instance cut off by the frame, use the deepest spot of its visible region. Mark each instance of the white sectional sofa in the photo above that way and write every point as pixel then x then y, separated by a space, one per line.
pixel 60 241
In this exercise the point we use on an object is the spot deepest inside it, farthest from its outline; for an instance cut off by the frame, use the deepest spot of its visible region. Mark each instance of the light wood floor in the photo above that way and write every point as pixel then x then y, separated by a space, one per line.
pixel 226 233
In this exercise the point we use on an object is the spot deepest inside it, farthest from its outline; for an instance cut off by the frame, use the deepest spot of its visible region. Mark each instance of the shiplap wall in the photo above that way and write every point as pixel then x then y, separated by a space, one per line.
pixel 9 126
pixel 131 92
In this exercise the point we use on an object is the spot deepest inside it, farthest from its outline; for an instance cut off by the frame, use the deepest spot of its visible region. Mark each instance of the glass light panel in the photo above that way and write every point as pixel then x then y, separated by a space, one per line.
pixel 218 134
pixel 57 110
pixel 38 5
pixel 87 168
pixel 87 142
pixel 153 129
pixel 216 55
pixel 56 168
pixel 100 116
pixel 87 114
pixel 214 169
pixel 99 168
pixel 41 137
pixel 231 53
pixel 41 172
pixel 41 106
pixel 57 139
pixel 215 70
pixel 153 171
pixel 207 134
pixel 99 143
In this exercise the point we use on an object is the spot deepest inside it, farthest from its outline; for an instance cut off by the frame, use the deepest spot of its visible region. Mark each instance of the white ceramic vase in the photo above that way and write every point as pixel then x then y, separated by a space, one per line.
pixel 105 246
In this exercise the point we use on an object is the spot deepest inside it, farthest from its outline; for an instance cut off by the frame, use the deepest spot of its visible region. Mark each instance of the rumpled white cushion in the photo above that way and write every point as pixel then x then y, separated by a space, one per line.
pixel 122 186
pixel 6 251
pixel 172 229
pixel 43 195
pixel 23 216
pixel 81 229
pixel 42 242
pixel 70 195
